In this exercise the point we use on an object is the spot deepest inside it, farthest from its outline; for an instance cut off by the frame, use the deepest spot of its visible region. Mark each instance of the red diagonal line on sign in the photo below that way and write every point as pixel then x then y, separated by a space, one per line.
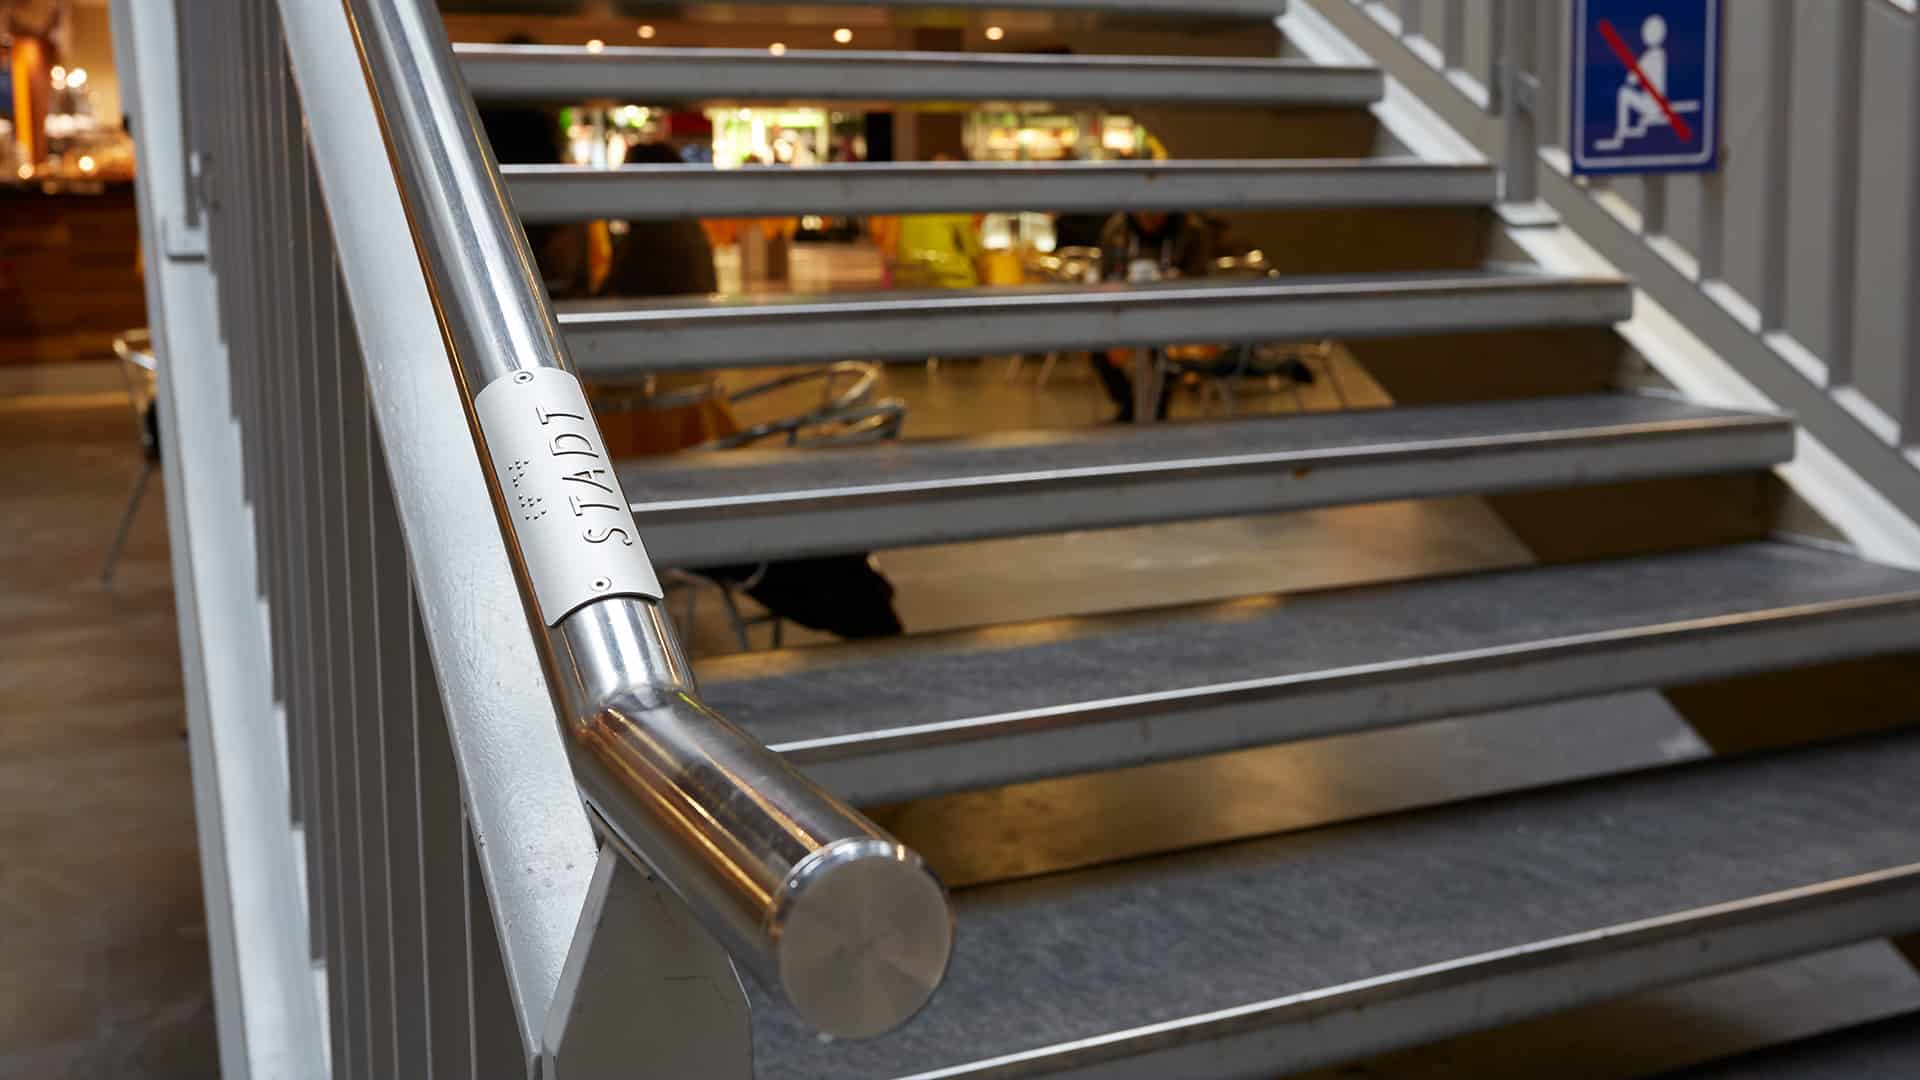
pixel 1619 47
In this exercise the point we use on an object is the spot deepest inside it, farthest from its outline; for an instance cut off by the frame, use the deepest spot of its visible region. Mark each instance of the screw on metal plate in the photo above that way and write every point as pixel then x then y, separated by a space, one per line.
pixel 523 376
pixel 601 584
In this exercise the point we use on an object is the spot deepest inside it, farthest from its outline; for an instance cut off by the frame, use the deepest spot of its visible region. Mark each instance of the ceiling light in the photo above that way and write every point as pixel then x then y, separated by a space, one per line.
pixel 778 48
pixel 645 31
pixel 596 45
pixel 843 35
pixel 995 33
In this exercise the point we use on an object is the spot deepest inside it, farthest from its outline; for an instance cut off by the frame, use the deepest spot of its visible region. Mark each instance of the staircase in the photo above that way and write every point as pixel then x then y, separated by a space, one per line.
pixel 1284 952
pixel 1667 557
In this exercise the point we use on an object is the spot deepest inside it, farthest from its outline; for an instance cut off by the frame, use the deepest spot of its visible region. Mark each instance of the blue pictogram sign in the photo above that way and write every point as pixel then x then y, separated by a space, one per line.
pixel 1646 86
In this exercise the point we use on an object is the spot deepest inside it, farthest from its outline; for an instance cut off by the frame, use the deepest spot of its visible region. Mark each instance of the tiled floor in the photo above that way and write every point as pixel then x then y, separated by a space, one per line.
pixel 947 586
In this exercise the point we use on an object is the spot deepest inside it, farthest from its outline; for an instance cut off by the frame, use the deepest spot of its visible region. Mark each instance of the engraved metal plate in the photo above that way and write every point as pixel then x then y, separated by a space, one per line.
pixel 573 523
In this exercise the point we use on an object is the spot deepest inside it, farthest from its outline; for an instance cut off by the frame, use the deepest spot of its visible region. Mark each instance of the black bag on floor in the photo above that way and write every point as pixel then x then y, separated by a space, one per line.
pixel 842 595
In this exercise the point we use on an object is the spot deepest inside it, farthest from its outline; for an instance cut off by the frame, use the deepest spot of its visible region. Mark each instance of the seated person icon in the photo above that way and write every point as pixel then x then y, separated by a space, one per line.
pixel 1639 105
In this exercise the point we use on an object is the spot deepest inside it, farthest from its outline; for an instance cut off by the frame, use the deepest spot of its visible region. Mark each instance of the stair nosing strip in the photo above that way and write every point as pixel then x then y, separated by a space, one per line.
pixel 1025 721
pixel 1447 449
pixel 1306 1006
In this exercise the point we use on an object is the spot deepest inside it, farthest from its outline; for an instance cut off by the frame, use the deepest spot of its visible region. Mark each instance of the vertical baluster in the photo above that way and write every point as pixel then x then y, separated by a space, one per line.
pixel 406 913
pixel 357 790
pixel 1453 34
pixel 1521 140
pixel 386 636
pixel 1907 410
pixel 1550 37
pixel 1497 57
pixel 1653 211
pixel 288 404
pixel 1774 176
pixel 240 267
pixel 1844 209
pixel 224 116
pixel 273 366
pixel 256 297
pixel 469 889
pixel 342 400
pixel 498 1053
pixel 1713 225
pixel 443 879
pixel 322 479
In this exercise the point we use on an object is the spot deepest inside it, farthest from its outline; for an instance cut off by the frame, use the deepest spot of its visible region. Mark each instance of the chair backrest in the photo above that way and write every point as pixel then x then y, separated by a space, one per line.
pixel 139 368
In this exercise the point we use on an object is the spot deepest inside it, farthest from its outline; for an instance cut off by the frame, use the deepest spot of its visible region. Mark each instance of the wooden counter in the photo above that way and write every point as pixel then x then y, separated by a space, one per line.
pixel 69 277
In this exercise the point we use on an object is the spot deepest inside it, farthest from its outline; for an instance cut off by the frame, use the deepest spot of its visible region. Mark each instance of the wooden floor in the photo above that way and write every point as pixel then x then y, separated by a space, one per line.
pixel 103 951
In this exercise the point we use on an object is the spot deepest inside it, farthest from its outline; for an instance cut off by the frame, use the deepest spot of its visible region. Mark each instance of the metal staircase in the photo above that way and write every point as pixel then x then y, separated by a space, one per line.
pixel 1254 957
pixel 1267 955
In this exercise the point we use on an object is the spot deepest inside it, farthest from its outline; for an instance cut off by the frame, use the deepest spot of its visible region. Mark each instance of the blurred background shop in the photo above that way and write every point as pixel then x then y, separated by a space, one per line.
pixel 67 227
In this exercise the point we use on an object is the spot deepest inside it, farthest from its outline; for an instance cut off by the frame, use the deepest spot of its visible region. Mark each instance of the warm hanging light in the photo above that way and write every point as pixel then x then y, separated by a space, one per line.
pixel 778 48
pixel 25 172
pixel 76 78
pixel 596 45
pixel 995 33
pixel 86 163
pixel 645 31
pixel 843 35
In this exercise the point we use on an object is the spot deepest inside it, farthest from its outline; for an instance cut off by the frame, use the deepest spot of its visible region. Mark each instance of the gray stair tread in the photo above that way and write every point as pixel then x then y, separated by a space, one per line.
pixel 1885 1050
pixel 547 193
pixel 624 337
pixel 572 73
pixel 719 507
pixel 1489 640
pixel 1081 955
pixel 1037 457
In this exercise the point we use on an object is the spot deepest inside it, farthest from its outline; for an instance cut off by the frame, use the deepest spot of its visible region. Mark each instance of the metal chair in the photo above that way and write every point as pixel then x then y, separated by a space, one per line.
pixel 845 416
pixel 140 370
pixel 1280 368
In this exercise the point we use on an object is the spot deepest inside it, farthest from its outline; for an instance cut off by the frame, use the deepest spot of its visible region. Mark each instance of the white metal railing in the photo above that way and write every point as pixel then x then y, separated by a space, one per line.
pixel 458 635
pixel 1797 260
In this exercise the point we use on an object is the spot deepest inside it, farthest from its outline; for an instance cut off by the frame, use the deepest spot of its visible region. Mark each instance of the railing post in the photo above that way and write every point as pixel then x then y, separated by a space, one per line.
pixel 1776 175
pixel 1453 34
pixel 1521 153
pixel 1496 57
pixel 1908 408
pixel 1843 222
pixel 636 951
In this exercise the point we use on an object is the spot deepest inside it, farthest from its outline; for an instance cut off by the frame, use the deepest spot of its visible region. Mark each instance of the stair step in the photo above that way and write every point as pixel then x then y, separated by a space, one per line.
pixel 613 338
pixel 901 719
pixel 1884 1050
pixel 550 193
pixel 762 504
pixel 1290 952
pixel 572 73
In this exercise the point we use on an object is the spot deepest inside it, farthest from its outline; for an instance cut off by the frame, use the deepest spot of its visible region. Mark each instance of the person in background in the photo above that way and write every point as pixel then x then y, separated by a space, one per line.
pixel 1138 248
pixel 660 258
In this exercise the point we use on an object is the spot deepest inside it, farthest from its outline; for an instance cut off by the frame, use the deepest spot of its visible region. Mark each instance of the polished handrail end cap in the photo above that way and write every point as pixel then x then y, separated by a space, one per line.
pixel 863 933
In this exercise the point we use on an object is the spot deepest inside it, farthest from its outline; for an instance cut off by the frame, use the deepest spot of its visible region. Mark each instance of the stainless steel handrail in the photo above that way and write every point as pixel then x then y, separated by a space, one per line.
pixel 847 923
